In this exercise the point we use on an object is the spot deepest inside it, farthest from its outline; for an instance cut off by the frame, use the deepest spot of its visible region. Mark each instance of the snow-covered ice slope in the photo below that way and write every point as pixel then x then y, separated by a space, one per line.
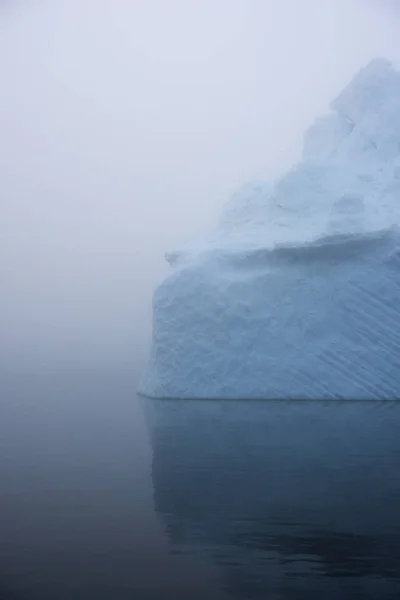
pixel 296 292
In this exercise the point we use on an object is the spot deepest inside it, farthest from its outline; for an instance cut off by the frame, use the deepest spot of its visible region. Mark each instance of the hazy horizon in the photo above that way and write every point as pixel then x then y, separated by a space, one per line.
pixel 125 126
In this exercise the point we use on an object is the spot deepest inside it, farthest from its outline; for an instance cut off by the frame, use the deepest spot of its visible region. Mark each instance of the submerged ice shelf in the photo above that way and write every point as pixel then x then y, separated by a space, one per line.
pixel 296 292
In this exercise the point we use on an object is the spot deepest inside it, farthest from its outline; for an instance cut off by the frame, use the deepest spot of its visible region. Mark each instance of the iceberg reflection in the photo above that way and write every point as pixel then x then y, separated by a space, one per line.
pixel 290 499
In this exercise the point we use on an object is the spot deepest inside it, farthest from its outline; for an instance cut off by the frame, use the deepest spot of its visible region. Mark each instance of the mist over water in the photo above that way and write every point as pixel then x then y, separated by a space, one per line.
pixel 124 127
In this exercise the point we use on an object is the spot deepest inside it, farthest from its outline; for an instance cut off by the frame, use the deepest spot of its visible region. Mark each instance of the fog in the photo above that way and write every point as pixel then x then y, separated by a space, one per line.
pixel 125 125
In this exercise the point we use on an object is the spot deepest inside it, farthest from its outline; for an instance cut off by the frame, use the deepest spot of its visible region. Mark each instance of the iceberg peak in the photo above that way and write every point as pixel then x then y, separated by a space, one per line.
pixel 353 151
pixel 371 87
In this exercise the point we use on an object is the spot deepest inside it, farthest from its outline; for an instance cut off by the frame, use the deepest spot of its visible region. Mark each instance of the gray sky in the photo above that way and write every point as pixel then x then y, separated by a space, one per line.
pixel 125 126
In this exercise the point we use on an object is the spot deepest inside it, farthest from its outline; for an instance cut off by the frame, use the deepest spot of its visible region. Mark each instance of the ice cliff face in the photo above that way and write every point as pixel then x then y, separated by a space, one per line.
pixel 296 292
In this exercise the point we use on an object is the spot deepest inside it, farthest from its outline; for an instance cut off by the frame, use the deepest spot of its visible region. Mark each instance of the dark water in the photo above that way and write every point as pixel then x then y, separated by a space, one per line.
pixel 104 495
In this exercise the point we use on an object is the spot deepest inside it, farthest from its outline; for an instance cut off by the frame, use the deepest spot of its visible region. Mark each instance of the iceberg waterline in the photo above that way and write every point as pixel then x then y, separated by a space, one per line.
pixel 296 291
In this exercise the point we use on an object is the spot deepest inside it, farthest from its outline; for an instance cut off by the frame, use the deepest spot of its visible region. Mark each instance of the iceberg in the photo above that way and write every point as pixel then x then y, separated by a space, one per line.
pixel 295 293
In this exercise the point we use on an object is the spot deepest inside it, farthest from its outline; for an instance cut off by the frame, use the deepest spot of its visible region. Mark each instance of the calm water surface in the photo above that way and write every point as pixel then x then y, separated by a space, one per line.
pixel 105 495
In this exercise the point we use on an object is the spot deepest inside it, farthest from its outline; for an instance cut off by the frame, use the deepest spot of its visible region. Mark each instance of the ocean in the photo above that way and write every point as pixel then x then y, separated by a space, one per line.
pixel 109 496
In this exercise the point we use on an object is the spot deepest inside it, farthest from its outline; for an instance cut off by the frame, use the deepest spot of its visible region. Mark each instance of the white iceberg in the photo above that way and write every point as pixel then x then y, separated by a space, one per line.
pixel 296 292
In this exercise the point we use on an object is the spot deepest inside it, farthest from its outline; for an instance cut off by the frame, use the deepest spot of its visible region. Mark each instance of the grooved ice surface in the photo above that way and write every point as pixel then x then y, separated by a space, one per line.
pixel 296 292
